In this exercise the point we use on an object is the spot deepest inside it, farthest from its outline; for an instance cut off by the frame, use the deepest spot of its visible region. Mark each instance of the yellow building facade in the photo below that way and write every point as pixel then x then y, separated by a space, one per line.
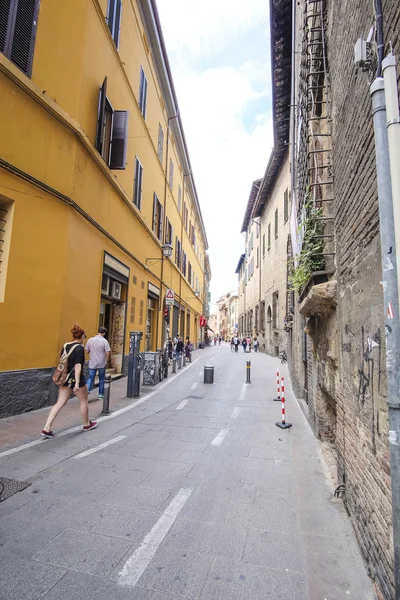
pixel 95 178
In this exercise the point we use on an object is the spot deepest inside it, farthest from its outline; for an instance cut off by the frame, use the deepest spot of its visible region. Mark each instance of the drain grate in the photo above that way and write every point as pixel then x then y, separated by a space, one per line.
pixel 196 397
pixel 9 487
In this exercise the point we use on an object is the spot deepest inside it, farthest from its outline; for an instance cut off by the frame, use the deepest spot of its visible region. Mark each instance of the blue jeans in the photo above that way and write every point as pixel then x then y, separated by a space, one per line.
pixel 92 375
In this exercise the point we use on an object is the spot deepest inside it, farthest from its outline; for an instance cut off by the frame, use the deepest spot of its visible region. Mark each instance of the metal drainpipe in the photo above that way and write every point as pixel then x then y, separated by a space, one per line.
pixel 391 305
pixel 393 127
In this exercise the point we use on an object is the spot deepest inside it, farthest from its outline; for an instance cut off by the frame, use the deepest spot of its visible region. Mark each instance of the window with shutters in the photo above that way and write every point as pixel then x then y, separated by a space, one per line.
pixel 137 193
pixel 160 151
pixel 269 236
pixel 143 93
pixel 258 257
pixel 169 232
pixel 158 215
pixel 178 253
pixel 189 272
pixel 286 205
pixel 133 309
pixel 141 312
pixel 276 223
pixel 114 12
pixel 18 20
pixel 184 264
pixel 275 310
pixel 171 173
pixel 185 216
pixel 263 244
pixel 112 131
pixel 179 198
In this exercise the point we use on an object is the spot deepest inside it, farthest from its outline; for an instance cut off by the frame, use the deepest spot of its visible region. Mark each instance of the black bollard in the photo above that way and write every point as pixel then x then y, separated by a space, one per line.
pixel 174 365
pixel 106 398
pixel 248 365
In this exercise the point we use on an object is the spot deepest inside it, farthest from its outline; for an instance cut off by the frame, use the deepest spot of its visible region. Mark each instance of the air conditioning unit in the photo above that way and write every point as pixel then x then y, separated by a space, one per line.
pixel 105 285
pixel 116 290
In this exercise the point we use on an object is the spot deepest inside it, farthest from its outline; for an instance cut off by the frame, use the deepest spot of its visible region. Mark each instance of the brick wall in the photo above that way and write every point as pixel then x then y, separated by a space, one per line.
pixel 361 435
pixel 348 407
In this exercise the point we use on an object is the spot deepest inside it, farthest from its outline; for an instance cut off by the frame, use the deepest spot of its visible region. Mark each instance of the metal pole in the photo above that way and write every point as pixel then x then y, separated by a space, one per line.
pixel 282 424
pixel 278 398
pixel 393 128
pixel 106 398
pixel 391 305
pixel 133 387
pixel 248 366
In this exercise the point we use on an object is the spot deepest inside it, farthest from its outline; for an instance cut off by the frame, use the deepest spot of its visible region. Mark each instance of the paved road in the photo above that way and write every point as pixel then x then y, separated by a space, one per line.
pixel 193 493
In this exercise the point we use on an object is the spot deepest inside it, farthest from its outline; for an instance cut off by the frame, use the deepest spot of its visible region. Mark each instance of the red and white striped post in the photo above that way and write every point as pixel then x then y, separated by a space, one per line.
pixel 278 398
pixel 283 424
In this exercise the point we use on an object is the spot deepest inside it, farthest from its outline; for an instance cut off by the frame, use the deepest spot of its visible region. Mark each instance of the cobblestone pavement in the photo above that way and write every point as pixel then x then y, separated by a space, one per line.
pixel 192 493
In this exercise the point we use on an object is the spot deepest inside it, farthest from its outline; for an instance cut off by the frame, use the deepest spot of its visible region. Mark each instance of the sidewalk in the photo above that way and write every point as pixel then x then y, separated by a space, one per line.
pixel 24 427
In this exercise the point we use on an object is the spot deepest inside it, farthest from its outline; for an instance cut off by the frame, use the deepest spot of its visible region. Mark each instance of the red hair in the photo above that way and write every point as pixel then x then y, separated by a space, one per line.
pixel 77 331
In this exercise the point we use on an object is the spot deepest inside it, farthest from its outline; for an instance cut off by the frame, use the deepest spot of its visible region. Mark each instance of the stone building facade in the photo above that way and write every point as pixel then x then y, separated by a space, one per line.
pixel 326 266
pixel 339 367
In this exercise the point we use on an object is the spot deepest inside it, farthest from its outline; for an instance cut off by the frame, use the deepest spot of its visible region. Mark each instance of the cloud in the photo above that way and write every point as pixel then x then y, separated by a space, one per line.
pixel 225 106
pixel 202 28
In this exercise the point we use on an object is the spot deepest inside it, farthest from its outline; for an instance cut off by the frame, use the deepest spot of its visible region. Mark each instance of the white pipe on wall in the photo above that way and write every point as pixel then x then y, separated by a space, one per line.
pixel 393 127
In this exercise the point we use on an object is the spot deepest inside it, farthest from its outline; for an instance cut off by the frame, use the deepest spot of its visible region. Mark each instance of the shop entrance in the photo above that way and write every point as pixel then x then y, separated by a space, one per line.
pixel 112 311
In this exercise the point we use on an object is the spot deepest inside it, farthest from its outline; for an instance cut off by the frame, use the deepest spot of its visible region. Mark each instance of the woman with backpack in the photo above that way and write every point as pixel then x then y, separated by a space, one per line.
pixel 70 378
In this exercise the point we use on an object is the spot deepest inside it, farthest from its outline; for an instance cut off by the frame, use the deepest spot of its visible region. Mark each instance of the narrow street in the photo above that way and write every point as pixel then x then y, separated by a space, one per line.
pixel 192 492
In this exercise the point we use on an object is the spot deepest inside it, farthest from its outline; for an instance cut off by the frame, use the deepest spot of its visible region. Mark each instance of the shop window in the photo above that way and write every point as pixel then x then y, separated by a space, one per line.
pixel 114 19
pixel 112 131
pixel 6 217
pixel 18 20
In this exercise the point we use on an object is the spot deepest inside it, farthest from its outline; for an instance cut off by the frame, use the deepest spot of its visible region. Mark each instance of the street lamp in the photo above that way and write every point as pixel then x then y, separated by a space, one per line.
pixel 166 250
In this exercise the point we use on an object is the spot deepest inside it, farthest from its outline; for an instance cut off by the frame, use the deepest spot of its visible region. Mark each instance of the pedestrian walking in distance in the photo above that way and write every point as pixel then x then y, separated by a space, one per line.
pixel 255 344
pixel 69 376
pixel 244 344
pixel 100 351
pixel 236 342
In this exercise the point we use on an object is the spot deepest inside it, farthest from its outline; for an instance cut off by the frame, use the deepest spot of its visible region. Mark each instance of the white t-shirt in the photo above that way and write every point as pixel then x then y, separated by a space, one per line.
pixel 97 346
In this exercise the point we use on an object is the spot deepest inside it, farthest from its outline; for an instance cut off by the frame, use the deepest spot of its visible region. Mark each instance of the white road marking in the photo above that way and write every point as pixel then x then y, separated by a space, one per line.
pixel 141 558
pixel 100 446
pixel 242 392
pixel 101 419
pixel 181 405
pixel 194 385
pixel 217 441
pixel 235 412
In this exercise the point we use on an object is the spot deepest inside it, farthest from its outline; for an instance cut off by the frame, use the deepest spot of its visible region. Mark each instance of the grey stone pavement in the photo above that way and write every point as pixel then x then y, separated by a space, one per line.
pixel 205 499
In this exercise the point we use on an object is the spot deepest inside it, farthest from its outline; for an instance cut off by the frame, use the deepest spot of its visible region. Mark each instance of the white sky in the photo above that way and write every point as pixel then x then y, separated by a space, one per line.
pixel 219 55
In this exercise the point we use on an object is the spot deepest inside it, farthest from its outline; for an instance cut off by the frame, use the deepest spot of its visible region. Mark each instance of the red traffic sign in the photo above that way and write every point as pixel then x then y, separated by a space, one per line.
pixel 169 296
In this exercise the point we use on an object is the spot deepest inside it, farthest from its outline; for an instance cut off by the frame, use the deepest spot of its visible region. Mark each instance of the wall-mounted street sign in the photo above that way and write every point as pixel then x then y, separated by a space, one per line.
pixel 169 297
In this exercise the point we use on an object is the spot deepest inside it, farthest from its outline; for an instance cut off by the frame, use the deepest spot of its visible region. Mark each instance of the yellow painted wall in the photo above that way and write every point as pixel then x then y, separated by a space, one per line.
pixel 48 126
